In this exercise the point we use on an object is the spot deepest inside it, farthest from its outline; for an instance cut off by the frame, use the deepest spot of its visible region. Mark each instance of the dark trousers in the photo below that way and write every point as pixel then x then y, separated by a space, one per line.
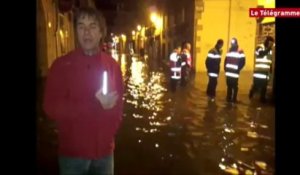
pixel 211 86
pixel 173 84
pixel 185 73
pixel 232 89
pixel 183 81
pixel 79 166
pixel 259 85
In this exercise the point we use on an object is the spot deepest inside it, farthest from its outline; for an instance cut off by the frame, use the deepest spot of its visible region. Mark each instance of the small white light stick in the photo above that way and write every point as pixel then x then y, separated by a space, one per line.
pixel 104 83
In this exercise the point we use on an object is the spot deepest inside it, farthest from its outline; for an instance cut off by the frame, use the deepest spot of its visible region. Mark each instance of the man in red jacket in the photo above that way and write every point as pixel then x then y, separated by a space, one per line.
pixel 83 96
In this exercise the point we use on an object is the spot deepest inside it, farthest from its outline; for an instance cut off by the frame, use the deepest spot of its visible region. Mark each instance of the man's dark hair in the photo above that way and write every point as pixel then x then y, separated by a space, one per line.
pixel 94 13
pixel 234 45
pixel 219 42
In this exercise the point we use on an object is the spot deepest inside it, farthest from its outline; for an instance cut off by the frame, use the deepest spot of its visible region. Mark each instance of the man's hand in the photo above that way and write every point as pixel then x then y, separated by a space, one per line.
pixel 107 101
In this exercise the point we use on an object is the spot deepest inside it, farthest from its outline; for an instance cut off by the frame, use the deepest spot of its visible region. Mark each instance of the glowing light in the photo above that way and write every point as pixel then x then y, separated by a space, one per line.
pixel 234 165
pixel 137 128
pixel 153 17
pixel 157 21
pixel 223 167
pixel 139 27
pixel 104 83
pixel 123 37
pixel 61 33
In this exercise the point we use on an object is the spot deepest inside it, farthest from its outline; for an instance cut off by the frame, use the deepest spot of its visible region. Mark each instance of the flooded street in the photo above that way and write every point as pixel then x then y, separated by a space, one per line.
pixel 182 132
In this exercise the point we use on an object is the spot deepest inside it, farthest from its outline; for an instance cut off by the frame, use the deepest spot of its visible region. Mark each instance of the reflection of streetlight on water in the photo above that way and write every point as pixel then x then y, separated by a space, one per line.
pixel 104 83
pixel 138 37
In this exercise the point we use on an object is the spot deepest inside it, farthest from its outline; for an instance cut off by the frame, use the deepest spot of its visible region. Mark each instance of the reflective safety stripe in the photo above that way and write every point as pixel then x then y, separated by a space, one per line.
pixel 260 49
pixel 175 77
pixel 263 60
pixel 234 75
pixel 176 74
pixel 183 63
pixel 232 66
pixel 235 55
pixel 173 57
pixel 242 55
pixel 262 66
pixel 213 56
pixel 176 69
pixel 212 74
pixel 261 76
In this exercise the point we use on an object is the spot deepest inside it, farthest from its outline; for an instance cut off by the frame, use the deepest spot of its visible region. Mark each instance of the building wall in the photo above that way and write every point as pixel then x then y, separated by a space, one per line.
pixel 55 33
pixel 41 41
pixel 198 27
pixel 215 23
pixel 178 24
pixel 46 47
pixel 267 4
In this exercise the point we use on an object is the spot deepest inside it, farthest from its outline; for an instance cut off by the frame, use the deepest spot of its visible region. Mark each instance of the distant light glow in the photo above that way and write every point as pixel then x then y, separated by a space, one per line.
pixel 223 167
pixel 139 27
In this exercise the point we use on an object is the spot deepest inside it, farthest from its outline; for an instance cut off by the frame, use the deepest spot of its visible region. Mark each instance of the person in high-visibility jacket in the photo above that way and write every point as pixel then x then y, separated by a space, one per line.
pixel 175 67
pixel 212 63
pixel 263 68
pixel 186 63
pixel 234 63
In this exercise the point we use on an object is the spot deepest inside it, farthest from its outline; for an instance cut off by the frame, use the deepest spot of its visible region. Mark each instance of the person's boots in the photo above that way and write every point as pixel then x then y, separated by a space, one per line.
pixel 235 92
pixel 263 95
pixel 229 94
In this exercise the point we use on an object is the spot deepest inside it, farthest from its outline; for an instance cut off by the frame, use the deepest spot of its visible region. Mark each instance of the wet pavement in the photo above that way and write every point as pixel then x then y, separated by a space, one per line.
pixel 182 132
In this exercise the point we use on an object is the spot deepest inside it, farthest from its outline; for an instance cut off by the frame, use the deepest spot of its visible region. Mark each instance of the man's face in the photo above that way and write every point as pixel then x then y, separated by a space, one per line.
pixel 178 49
pixel 88 33
pixel 188 46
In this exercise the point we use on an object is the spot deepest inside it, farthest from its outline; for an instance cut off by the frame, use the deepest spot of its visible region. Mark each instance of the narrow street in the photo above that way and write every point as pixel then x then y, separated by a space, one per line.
pixel 182 132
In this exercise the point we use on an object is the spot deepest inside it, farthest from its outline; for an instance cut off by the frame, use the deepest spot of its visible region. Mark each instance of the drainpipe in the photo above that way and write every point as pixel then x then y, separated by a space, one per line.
pixel 229 17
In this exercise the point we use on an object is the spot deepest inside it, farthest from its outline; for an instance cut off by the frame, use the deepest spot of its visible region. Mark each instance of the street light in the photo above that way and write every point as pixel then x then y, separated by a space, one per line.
pixel 153 17
pixel 138 33
pixel 139 27
pixel 123 38
pixel 157 21
pixel 157 24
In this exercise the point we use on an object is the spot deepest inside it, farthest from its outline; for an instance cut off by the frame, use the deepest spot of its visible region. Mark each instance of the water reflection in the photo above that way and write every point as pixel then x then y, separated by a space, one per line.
pixel 123 65
pixel 188 133
pixel 145 95
pixel 241 141
pixel 115 54
pixel 182 133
